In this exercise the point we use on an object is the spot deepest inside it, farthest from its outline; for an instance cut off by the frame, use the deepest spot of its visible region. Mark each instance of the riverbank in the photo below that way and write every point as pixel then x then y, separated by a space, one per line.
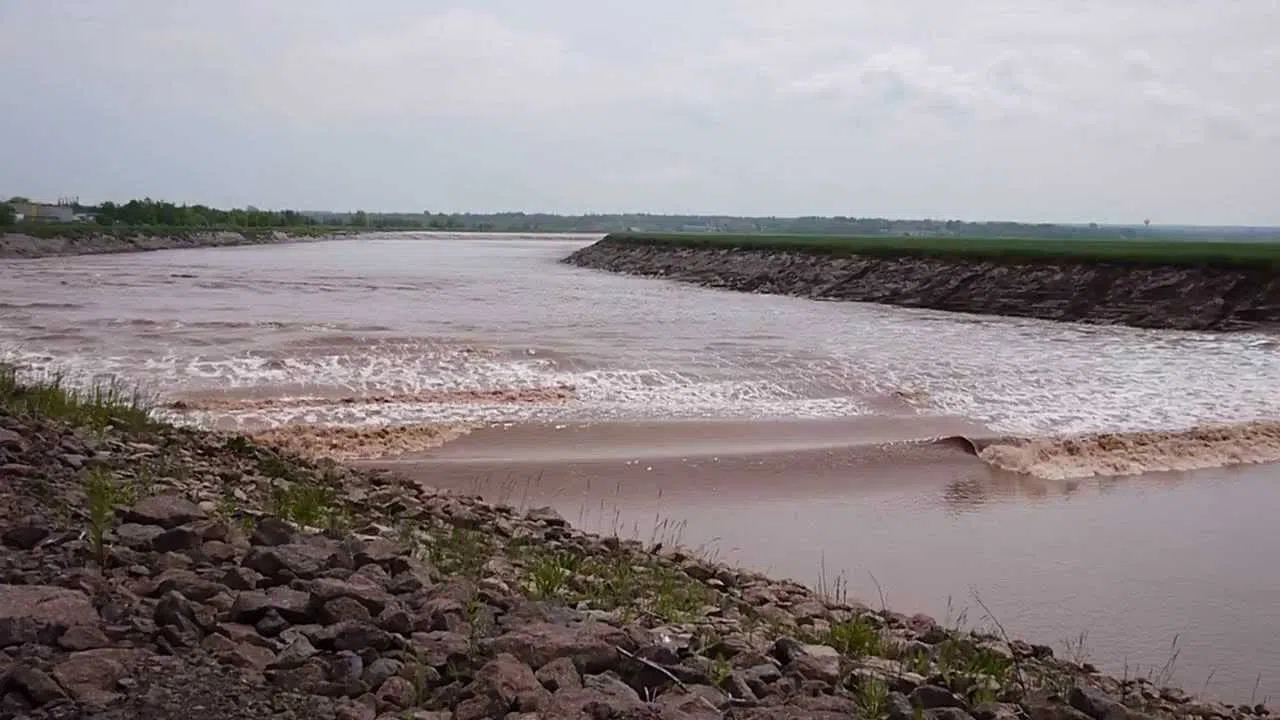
pixel 20 245
pixel 1187 286
pixel 150 570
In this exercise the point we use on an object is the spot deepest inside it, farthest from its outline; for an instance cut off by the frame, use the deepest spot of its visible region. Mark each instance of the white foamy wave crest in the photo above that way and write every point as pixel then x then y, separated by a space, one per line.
pixel 1133 453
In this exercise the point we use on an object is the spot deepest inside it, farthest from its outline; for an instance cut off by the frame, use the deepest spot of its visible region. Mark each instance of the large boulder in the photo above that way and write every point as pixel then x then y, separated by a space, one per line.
pixel 167 511
pixel 41 613
pixel 593 647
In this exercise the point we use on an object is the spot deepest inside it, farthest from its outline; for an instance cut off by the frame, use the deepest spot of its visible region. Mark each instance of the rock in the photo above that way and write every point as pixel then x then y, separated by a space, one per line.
pixel 217 551
pixel 285 562
pixel 37 684
pixel 996 711
pixel 559 674
pixel 1095 703
pixel 271 624
pixel 137 536
pixel 396 693
pixel 178 539
pixel 344 609
pixel 547 516
pixel 379 670
pixel 188 584
pixel 83 637
pixel 812 662
pixel 174 609
pixel 360 635
pixel 354 710
pixel 377 551
pixel 249 606
pixel 345 668
pixel 306 678
pixel 293 605
pixel 272 532
pixel 167 511
pixel 26 533
pixel 91 676
pixel 440 647
pixel 74 461
pixel 1042 710
pixel 591 646
pixel 510 684
pixel 699 703
pixel 358 587
pixel 946 713
pixel 928 697
pixel 295 654
pixel 596 699
pixel 396 620
pixel 41 613
pixel 241 578
pixel 242 655
pixel 12 441
pixel 898 707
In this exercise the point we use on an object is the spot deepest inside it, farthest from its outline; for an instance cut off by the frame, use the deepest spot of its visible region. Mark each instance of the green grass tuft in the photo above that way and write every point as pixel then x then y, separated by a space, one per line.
pixel 98 406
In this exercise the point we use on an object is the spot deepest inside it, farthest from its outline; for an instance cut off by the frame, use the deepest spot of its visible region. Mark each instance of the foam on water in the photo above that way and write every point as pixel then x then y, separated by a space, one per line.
pixel 416 316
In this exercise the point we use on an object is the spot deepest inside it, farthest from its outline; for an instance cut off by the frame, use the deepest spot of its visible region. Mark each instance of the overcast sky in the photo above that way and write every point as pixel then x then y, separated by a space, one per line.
pixel 1054 110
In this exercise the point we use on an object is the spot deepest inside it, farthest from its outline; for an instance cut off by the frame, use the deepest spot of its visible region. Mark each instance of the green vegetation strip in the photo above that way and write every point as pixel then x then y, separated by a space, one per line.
pixel 1245 255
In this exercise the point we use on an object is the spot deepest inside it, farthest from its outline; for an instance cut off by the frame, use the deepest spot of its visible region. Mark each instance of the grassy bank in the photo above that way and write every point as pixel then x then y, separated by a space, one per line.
pixel 1245 255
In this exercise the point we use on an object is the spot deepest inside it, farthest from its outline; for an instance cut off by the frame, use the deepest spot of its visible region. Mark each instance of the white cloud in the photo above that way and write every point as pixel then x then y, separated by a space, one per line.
pixel 735 105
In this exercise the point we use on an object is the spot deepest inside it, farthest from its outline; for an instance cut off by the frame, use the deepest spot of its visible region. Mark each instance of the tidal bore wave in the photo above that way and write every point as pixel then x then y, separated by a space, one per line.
pixel 1128 453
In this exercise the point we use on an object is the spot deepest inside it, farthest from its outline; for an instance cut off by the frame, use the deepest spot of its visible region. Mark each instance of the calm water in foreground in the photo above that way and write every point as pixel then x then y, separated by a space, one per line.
pixel 1132 562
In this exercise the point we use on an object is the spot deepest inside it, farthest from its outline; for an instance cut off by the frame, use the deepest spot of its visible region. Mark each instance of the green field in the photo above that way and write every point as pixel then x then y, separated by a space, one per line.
pixel 1251 255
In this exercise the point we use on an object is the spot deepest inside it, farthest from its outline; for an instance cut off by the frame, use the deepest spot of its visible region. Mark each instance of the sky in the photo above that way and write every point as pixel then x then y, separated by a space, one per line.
pixel 1031 110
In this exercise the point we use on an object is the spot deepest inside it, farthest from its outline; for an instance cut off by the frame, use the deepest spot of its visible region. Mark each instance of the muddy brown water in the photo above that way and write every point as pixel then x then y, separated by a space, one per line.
pixel 771 430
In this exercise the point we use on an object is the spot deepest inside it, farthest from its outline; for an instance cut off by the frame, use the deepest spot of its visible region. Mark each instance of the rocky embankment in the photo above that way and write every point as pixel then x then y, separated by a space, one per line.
pixel 167 573
pixel 17 245
pixel 1152 296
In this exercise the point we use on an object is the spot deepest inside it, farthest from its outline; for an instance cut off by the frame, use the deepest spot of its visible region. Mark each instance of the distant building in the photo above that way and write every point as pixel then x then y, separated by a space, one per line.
pixel 43 212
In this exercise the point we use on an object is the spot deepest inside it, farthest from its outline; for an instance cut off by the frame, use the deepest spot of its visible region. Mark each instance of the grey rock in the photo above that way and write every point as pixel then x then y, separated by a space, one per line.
pixel 295 654
pixel 179 539
pixel 41 613
pixel 440 647
pixel 593 647
pixel 510 684
pixel 272 532
pixel 344 609
pixel 271 624
pixel 396 693
pixel 933 696
pixel 167 511
pixel 83 637
pixel 379 670
pixel 91 676
pixel 559 674
pixel 136 536
pixel 37 684
pixel 297 560
pixel 946 713
pixel 1095 703
pixel 26 533
pixel 360 635
pixel 12 441
pixel 188 584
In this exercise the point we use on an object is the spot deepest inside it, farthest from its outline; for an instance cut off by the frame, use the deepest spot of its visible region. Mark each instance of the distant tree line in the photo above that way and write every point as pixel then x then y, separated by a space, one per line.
pixel 153 212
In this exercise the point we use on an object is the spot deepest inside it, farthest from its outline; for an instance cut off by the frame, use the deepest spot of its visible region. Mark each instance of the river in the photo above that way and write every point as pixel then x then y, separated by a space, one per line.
pixel 752 425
